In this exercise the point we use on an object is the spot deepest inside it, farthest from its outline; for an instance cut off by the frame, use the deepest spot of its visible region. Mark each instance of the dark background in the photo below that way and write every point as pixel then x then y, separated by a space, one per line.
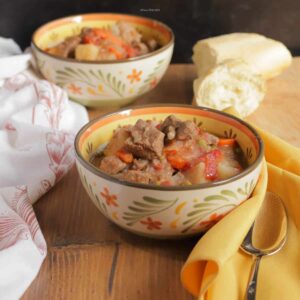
pixel 190 19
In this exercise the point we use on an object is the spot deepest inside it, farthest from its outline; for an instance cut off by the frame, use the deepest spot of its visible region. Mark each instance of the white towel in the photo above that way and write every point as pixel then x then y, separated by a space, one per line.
pixel 37 128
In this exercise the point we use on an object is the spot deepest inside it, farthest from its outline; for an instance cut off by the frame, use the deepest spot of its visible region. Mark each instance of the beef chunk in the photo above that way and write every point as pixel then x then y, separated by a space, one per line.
pixel 112 165
pixel 137 176
pixel 170 123
pixel 152 44
pixel 146 141
pixel 182 130
pixel 160 169
pixel 140 47
pixel 117 141
pixel 85 31
pixel 127 32
pixel 187 130
pixel 66 47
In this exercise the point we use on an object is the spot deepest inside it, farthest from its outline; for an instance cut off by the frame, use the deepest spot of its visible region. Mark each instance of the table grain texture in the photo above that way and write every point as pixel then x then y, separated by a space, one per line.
pixel 91 258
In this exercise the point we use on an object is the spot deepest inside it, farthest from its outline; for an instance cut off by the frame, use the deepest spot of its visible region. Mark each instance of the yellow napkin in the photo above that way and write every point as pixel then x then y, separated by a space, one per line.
pixel 218 269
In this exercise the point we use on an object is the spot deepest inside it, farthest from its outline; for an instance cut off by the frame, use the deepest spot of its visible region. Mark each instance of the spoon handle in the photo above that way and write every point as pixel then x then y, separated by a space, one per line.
pixel 251 289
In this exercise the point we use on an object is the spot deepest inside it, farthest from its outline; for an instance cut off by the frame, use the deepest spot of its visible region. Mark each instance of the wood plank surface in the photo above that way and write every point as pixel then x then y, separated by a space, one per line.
pixel 91 258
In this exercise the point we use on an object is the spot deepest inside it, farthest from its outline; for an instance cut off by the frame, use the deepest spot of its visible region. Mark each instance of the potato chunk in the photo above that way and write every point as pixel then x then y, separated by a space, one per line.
pixel 117 142
pixel 86 52
pixel 195 175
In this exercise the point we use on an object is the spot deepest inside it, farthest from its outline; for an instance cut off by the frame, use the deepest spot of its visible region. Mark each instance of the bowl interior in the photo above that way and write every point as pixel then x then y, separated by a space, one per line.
pixel 99 131
pixel 56 31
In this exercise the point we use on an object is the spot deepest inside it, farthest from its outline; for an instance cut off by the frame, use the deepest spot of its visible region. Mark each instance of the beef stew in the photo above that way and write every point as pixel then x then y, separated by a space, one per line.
pixel 169 153
pixel 121 41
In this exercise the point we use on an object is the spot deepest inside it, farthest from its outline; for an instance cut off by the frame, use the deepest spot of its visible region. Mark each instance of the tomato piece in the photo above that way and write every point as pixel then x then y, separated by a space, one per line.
pixel 211 164
pixel 125 156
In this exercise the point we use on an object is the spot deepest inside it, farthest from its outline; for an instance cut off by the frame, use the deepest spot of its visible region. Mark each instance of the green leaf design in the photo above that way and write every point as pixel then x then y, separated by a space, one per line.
pixel 247 189
pixel 88 187
pixel 249 153
pixel 149 206
pixel 94 74
pixel 213 203
pixel 229 193
pixel 64 73
pixel 141 204
pixel 140 210
pixel 196 212
pixel 210 204
pixel 155 201
pixel 230 134
pixel 198 123
pixel 85 75
pixel 89 148
pixel 151 76
pixel 76 30
pixel 196 216
pixel 216 197
pixel 91 78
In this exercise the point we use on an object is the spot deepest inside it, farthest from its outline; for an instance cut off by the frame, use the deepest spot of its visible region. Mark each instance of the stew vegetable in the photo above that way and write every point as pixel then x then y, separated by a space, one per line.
pixel 169 153
pixel 121 41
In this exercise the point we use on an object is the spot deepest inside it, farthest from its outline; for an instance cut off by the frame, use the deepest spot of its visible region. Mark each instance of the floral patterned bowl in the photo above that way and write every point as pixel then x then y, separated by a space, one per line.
pixel 103 83
pixel 167 212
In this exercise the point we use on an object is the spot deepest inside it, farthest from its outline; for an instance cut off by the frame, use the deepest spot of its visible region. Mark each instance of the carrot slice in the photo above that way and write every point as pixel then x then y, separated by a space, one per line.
pixel 115 52
pixel 170 151
pixel 125 156
pixel 226 142
pixel 177 162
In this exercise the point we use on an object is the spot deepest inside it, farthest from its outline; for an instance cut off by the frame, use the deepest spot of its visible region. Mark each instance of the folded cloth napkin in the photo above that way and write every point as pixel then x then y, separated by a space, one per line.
pixel 37 128
pixel 218 269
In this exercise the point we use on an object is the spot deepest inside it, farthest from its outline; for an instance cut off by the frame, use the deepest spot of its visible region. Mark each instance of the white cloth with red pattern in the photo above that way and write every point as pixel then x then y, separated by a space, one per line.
pixel 37 128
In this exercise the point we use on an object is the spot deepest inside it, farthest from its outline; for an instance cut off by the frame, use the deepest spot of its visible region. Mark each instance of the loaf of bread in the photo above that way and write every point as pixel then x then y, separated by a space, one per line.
pixel 265 56
pixel 231 83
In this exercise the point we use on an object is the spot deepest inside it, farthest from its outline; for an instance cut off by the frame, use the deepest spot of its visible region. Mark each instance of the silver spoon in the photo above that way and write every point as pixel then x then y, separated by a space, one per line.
pixel 266 236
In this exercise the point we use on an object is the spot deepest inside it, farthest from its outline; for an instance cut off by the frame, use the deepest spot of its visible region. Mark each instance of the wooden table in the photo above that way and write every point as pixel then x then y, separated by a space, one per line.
pixel 91 258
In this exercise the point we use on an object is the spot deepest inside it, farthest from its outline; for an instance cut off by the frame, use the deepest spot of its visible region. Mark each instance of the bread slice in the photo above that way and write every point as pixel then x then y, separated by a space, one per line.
pixel 265 56
pixel 231 83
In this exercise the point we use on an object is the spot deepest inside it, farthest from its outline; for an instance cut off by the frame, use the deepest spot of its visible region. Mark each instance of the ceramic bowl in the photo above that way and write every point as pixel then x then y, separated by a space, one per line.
pixel 103 83
pixel 167 212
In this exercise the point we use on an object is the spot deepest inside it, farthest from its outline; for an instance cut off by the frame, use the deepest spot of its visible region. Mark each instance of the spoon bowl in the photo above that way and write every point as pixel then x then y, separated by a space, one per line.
pixel 266 236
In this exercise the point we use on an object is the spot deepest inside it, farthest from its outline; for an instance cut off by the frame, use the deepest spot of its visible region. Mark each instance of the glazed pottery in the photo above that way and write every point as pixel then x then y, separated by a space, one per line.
pixel 103 83
pixel 167 212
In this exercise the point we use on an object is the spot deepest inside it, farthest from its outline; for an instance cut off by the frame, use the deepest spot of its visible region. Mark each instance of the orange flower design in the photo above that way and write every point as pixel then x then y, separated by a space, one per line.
pixel 135 76
pixel 109 198
pixel 213 219
pixel 74 89
pixel 153 83
pixel 151 224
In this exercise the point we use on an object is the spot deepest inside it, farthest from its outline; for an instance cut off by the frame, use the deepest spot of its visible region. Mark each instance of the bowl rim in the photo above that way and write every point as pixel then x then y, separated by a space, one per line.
pixel 98 172
pixel 96 62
